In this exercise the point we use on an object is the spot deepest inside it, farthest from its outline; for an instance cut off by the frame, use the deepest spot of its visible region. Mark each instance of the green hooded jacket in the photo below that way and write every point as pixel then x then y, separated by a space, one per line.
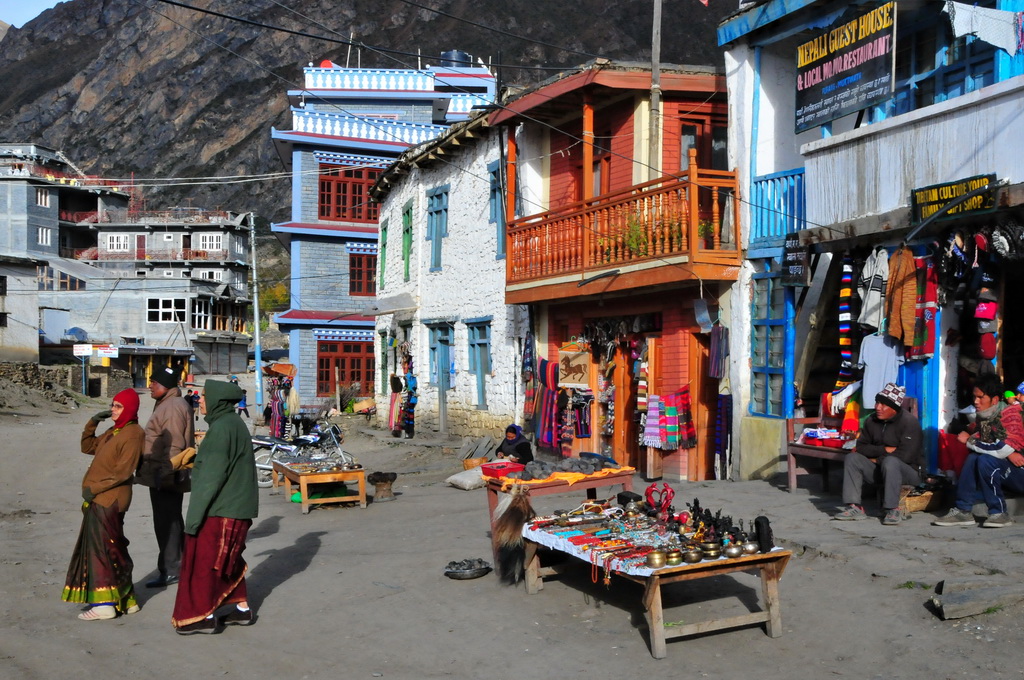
pixel 224 474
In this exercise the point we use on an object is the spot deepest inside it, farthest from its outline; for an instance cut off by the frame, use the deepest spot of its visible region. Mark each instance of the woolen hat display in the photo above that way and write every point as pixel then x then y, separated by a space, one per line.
pixel 167 377
pixel 987 346
pixel 892 395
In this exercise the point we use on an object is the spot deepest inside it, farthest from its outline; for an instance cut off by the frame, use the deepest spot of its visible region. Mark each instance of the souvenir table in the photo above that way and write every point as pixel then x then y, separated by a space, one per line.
pixel 768 565
pixel 287 474
pixel 590 483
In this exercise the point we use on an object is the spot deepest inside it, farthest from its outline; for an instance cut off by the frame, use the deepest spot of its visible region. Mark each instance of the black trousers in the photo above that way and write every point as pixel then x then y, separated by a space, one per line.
pixel 169 525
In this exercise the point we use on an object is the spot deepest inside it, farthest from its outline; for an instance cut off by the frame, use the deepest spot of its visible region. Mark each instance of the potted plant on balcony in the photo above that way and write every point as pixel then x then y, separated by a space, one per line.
pixel 706 232
pixel 635 236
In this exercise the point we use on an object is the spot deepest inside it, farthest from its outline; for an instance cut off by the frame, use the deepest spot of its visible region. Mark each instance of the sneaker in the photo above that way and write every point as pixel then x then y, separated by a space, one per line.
pixel 893 517
pixel 209 626
pixel 956 518
pixel 237 617
pixel 851 512
pixel 997 521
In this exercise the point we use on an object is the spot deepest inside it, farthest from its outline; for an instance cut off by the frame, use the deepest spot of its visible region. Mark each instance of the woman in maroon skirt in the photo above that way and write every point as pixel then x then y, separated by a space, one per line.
pixel 220 511
pixel 100 573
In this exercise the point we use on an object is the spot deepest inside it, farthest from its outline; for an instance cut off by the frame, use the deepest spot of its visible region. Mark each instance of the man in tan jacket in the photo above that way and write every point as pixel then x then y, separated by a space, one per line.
pixel 170 430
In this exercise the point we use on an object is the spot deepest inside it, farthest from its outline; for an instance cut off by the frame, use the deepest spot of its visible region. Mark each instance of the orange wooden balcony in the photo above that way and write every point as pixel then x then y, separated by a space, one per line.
pixel 660 224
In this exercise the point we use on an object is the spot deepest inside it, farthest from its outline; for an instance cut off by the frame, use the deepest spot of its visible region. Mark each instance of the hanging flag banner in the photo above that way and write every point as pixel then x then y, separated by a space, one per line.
pixel 847 68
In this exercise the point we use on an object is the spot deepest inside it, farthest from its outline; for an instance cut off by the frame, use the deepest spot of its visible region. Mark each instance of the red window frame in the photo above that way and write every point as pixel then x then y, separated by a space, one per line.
pixel 362 275
pixel 355 362
pixel 344 194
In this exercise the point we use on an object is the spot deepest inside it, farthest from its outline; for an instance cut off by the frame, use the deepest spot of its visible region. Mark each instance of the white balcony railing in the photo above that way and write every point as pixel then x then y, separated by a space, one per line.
pixel 368 79
pixel 334 125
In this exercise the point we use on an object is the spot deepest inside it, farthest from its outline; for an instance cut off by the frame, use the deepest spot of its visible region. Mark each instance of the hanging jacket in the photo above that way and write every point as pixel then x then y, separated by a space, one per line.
pixel 901 296
pixel 873 280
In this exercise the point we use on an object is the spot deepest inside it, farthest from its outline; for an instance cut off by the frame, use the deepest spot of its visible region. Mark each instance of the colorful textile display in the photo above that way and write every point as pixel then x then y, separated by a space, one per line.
pixel 641 387
pixel 871 287
pixel 652 430
pixel 687 432
pixel 846 325
pixel 719 352
pixel 901 296
pixel 547 390
pixel 927 280
pixel 409 406
pixel 670 423
pixel 529 374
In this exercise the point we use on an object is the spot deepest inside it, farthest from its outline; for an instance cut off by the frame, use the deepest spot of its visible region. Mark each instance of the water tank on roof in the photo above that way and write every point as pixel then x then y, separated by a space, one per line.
pixel 77 334
pixel 456 59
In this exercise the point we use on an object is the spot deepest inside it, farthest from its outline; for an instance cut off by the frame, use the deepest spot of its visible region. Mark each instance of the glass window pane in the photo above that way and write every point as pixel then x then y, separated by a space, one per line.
pixel 775 395
pixel 778 301
pixel 761 299
pixel 758 393
pixel 776 341
pixel 760 348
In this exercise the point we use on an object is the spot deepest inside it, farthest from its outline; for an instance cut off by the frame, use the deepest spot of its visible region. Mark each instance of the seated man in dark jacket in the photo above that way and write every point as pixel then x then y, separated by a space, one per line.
pixel 888 452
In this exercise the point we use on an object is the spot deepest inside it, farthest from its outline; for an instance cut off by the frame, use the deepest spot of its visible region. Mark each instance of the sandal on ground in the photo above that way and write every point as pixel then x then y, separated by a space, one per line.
pixel 134 609
pixel 103 612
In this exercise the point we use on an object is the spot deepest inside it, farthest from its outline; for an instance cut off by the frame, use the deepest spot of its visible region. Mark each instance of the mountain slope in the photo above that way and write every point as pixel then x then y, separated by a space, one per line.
pixel 146 89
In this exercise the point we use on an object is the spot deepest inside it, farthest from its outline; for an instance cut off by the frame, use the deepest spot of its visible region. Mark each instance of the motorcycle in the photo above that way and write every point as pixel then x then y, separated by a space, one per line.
pixel 322 443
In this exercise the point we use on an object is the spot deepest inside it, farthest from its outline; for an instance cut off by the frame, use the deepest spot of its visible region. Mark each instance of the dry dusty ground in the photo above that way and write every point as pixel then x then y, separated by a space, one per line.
pixel 360 594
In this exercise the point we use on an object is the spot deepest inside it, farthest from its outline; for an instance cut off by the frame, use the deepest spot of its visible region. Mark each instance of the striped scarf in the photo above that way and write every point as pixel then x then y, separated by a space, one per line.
pixel 670 418
pixel 652 429
pixel 845 326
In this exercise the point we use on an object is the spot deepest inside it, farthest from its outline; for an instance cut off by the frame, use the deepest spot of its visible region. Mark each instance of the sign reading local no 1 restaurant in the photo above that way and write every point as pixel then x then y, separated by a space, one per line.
pixel 847 68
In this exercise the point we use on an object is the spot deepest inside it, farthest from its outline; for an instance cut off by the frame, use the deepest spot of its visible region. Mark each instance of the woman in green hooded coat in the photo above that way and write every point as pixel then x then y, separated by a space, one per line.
pixel 224 501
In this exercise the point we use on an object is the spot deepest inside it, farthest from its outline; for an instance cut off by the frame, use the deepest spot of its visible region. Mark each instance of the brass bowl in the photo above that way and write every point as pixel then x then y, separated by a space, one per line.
pixel 656 559
pixel 674 558
pixel 750 548
pixel 693 556
pixel 712 554
pixel 733 550
pixel 710 545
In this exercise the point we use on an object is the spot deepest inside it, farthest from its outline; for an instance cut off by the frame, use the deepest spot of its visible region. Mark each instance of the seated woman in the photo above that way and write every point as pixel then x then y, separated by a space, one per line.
pixel 515 447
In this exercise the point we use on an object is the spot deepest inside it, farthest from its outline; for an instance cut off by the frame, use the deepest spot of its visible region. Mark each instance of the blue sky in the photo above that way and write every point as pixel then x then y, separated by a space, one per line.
pixel 18 12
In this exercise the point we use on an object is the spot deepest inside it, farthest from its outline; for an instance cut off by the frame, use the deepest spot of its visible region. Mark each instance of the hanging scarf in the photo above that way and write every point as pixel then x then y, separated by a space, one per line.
pixel 686 430
pixel 670 430
pixel 641 388
pixel 723 435
pixel 719 351
pixel 845 325
pixel 652 430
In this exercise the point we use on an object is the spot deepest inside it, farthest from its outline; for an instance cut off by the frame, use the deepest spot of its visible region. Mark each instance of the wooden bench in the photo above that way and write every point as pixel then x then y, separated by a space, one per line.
pixel 823 453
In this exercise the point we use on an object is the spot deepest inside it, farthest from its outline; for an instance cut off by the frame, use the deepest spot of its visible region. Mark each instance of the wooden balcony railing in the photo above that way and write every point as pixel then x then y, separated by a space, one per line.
pixel 667 217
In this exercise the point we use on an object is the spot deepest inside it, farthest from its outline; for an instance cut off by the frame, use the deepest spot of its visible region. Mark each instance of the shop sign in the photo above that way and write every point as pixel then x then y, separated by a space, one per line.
pixel 846 68
pixel 927 201
pixel 82 350
pixel 106 351
pixel 796 265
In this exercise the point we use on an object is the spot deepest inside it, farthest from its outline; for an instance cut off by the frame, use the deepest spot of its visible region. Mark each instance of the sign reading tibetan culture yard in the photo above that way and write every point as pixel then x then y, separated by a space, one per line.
pixel 847 68
pixel 927 201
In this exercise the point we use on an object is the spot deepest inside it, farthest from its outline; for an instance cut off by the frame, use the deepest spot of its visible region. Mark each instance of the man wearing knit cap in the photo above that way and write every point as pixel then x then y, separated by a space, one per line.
pixel 888 452
pixel 169 431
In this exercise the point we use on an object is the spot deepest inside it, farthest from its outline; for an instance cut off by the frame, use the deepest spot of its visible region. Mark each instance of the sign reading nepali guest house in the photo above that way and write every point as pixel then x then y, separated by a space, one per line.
pixel 847 68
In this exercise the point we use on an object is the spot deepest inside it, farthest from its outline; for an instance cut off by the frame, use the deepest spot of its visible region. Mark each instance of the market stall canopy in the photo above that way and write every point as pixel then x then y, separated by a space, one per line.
pixel 392 304
pixel 284 369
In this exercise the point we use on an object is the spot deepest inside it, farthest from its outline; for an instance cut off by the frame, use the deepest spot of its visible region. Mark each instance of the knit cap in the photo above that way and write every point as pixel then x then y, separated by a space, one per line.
pixel 892 395
pixel 167 377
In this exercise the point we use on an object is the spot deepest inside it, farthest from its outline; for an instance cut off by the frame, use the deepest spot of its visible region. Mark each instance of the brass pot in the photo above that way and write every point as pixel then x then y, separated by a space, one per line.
pixel 712 554
pixel 733 550
pixel 693 556
pixel 656 559
pixel 749 548
pixel 710 545
pixel 674 557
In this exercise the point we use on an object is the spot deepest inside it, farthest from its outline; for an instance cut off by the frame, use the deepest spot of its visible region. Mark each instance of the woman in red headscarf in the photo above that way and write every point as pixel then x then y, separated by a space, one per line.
pixel 100 573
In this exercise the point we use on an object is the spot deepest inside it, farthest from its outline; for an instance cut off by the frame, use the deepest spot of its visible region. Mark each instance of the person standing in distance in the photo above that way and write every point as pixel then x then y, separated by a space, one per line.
pixel 170 430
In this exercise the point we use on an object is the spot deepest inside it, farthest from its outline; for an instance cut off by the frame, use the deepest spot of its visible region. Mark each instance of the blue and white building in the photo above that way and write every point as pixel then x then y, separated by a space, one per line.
pixel 348 125
pixel 844 118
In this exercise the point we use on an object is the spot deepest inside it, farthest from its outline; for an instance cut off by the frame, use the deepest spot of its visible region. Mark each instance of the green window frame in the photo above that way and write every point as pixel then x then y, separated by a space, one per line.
pixel 406 238
pixel 383 252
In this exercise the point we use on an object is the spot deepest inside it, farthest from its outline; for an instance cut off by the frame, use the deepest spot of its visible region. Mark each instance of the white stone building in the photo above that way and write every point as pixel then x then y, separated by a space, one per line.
pixel 441 283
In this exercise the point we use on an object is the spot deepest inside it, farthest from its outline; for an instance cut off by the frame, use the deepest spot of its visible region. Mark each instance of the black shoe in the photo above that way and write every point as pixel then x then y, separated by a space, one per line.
pixel 162 582
pixel 208 626
pixel 236 617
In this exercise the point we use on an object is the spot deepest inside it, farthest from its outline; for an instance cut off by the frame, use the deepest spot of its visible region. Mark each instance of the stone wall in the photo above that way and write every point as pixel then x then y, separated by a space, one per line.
pixel 105 380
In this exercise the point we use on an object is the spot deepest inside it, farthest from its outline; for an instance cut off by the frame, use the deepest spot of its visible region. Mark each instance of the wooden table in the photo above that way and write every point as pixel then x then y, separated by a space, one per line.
pixel 590 484
pixel 284 474
pixel 768 565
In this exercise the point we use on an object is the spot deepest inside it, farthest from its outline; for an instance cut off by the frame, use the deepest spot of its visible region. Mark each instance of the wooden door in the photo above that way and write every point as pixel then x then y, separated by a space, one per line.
pixel 703 407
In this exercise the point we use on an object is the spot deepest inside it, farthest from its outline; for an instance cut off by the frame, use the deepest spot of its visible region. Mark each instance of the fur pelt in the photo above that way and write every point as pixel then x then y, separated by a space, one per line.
pixel 507 532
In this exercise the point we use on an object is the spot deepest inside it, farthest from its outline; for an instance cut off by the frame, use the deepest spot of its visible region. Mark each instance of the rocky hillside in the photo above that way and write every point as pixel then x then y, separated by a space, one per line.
pixel 145 88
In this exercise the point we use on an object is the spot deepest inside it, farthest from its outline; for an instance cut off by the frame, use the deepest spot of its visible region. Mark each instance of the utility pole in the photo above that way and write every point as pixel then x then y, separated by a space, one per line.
pixel 256 317
pixel 654 150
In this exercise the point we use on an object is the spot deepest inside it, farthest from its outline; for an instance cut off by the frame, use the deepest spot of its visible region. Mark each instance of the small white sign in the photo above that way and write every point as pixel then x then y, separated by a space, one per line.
pixel 106 351
pixel 82 350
